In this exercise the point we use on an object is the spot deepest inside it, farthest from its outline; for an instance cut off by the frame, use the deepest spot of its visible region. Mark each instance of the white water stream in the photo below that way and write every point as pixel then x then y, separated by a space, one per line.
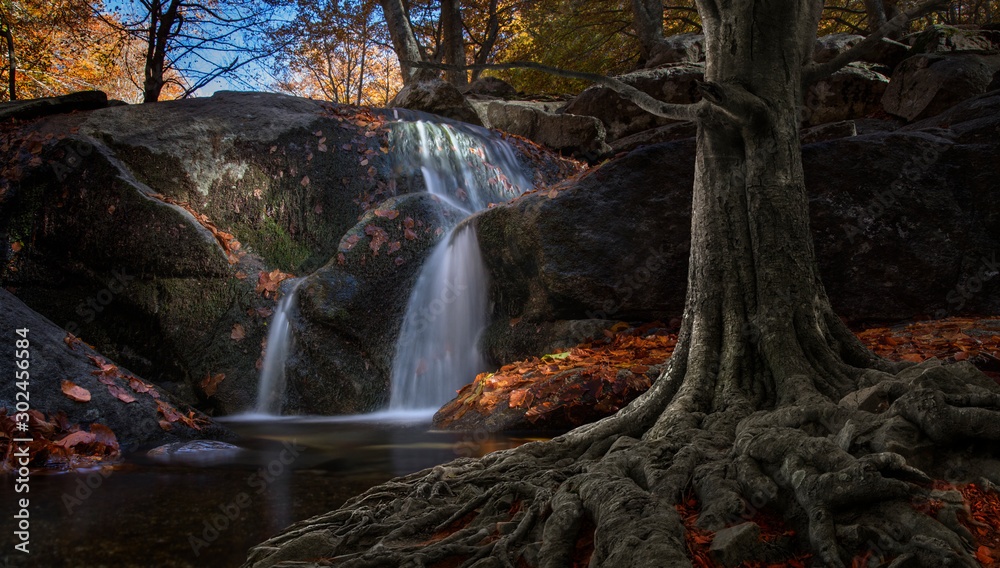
pixel 437 350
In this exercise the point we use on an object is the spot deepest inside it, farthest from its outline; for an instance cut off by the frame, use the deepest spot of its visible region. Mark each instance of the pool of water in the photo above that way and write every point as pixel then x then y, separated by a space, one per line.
pixel 206 508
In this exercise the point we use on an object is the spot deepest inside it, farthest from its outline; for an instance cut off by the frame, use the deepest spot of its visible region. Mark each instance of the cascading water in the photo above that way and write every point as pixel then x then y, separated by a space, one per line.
pixel 437 351
pixel 272 375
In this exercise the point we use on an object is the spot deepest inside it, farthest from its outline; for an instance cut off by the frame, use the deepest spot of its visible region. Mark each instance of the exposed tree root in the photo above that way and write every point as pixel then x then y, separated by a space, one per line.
pixel 844 473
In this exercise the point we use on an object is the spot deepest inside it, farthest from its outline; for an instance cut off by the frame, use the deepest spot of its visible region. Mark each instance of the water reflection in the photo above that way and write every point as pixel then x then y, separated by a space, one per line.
pixel 206 503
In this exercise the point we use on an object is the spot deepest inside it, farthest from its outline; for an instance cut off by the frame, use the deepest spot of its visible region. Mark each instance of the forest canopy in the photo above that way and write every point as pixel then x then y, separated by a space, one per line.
pixel 343 50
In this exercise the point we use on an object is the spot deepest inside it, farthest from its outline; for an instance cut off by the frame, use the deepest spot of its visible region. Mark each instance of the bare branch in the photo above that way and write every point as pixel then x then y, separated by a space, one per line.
pixel 814 72
pixel 641 99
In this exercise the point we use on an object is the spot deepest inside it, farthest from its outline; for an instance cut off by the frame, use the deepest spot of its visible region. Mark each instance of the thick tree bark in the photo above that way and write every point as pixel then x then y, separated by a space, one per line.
pixel 753 409
pixel 453 42
pixel 404 42
pixel 647 20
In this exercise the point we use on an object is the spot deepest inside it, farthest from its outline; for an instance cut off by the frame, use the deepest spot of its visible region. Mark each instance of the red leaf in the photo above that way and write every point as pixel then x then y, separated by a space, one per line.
pixel 120 393
pixel 74 392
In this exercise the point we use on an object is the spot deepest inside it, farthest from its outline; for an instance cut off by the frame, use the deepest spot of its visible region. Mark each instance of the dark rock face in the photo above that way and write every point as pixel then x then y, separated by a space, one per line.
pixel 906 224
pixel 581 136
pixel 436 97
pixel 832 45
pixel 853 92
pixel 942 39
pixel 491 87
pixel 352 307
pixel 679 48
pixel 675 83
pixel 52 361
pixel 104 250
pixel 37 108
pixel 926 85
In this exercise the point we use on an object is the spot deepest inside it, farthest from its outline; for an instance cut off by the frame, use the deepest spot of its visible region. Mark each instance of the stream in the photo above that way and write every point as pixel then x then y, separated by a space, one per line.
pixel 173 512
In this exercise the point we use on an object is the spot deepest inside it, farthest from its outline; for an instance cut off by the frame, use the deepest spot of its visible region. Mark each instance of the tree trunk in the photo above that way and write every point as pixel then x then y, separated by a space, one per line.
pixel 647 20
pixel 11 62
pixel 404 42
pixel 748 413
pixel 492 32
pixel 159 34
pixel 453 41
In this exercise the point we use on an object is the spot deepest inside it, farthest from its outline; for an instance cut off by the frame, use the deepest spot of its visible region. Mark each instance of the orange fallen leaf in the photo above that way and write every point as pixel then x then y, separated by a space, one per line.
pixel 120 393
pixel 15 247
pixel 74 392
pixel 238 332
pixel 210 383
pixel 79 437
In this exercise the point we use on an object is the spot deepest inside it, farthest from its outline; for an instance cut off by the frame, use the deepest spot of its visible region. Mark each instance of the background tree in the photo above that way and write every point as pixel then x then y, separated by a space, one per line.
pixel 338 51
pixel 747 410
pixel 191 43
pixel 60 46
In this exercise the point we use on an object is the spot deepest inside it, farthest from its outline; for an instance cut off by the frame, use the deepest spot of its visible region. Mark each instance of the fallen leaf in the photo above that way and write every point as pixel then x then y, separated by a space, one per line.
pixel 392 214
pixel 210 383
pixel 74 392
pixel 305 181
pixel 120 393
pixel 16 247
pixel 409 234
pixel 238 332
pixel 399 260
pixel 79 437
pixel 240 274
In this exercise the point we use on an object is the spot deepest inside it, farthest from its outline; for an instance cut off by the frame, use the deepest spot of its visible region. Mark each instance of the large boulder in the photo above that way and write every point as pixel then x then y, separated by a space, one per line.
pixel 352 307
pixel 436 97
pixel 832 45
pixel 582 136
pixel 941 38
pixel 158 233
pixel 852 92
pixel 492 87
pixel 926 85
pixel 127 220
pixel 905 223
pixel 53 358
pixel 36 108
pixel 674 83
pixel 678 48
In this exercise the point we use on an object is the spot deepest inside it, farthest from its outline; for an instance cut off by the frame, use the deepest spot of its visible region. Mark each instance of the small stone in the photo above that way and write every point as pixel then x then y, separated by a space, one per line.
pixel 734 545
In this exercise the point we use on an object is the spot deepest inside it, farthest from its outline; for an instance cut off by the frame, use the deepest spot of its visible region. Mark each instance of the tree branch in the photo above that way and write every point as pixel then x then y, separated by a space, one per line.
pixel 641 99
pixel 814 72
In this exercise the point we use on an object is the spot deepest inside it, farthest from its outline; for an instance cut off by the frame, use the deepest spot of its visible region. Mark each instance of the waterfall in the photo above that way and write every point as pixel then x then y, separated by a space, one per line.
pixel 271 388
pixel 437 351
